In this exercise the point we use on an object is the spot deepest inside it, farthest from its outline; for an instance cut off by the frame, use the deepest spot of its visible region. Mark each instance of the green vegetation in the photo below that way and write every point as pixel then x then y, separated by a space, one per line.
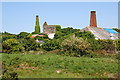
pixel 57 66
pixel 22 35
pixel 116 29
pixel 71 54
pixel 74 46
pixel 12 46
pixel 7 35
pixel 37 27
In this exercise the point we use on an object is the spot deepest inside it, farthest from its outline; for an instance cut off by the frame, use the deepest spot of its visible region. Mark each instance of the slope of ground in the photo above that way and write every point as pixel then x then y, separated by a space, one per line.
pixel 57 66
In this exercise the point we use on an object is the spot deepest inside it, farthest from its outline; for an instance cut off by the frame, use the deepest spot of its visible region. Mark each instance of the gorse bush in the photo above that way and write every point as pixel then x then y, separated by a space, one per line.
pixel 75 46
pixel 12 46
pixel 30 44
pixel 8 73
pixel 51 45
pixel 107 45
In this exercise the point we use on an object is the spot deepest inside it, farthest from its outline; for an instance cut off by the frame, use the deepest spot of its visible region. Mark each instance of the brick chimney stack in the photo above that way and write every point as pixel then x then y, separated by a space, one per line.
pixel 93 22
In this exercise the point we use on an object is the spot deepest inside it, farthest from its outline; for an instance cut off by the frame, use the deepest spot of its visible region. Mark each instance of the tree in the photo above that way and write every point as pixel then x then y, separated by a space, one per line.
pixel 58 27
pixel 64 32
pixel 12 46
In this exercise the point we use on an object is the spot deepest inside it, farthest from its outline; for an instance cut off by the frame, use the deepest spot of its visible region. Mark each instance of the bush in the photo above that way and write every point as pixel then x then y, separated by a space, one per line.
pixel 117 44
pixel 51 45
pixel 7 35
pixel 8 73
pixel 75 46
pixel 30 44
pixel 107 45
pixel 12 46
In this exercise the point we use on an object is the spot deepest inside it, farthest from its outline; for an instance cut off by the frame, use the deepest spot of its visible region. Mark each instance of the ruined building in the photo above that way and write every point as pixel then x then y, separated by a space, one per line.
pixel 48 29
pixel 100 33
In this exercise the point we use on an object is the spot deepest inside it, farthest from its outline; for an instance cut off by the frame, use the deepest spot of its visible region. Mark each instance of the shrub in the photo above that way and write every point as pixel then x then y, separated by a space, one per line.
pixel 51 45
pixel 8 73
pixel 30 44
pixel 12 46
pixel 107 45
pixel 75 46
pixel 117 44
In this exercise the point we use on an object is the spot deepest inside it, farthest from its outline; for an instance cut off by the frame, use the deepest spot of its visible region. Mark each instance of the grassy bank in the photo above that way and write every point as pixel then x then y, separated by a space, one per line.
pixel 57 66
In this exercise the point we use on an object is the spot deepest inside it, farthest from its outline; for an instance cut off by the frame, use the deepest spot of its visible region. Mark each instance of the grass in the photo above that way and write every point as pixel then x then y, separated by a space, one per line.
pixel 57 66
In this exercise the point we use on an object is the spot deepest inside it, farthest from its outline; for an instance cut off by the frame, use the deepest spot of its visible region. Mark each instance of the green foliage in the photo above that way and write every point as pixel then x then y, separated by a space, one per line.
pixel 51 45
pixel 29 35
pixel 12 46
pixel 117 44
pixel 107 45
pixel 23 35
pixel 58 27
pixel 65 31
pixel 90 38
pixel 7 35
pixel 34 33
pixel 45 36
pixel 8 73
pixel 116 29
pixel 30 44
pixel 39 38
pixel 46 65
pixel 37 27
pixel 85 35
pixel 74 46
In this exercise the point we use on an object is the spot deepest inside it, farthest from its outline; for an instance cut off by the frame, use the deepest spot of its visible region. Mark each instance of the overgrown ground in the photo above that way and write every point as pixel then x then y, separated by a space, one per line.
pixel 57 66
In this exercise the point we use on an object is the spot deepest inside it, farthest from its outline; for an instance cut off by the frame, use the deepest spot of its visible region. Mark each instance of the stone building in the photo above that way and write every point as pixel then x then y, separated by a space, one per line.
pixel 48 29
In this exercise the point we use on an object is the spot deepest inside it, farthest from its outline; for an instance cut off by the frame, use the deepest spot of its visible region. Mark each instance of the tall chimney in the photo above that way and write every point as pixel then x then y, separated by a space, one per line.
pixel 36 17
pixel 93 22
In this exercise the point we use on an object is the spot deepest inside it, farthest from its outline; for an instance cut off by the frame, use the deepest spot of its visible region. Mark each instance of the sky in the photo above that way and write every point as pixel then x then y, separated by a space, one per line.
pixel 20 16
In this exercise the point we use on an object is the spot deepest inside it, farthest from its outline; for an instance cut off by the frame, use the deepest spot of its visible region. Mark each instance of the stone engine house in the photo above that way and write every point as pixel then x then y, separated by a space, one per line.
pixel 48 29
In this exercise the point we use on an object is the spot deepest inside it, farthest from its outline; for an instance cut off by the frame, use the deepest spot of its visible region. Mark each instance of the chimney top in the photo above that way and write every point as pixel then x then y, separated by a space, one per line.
pixel 93 11
pixel 36 15
pixel 93 21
